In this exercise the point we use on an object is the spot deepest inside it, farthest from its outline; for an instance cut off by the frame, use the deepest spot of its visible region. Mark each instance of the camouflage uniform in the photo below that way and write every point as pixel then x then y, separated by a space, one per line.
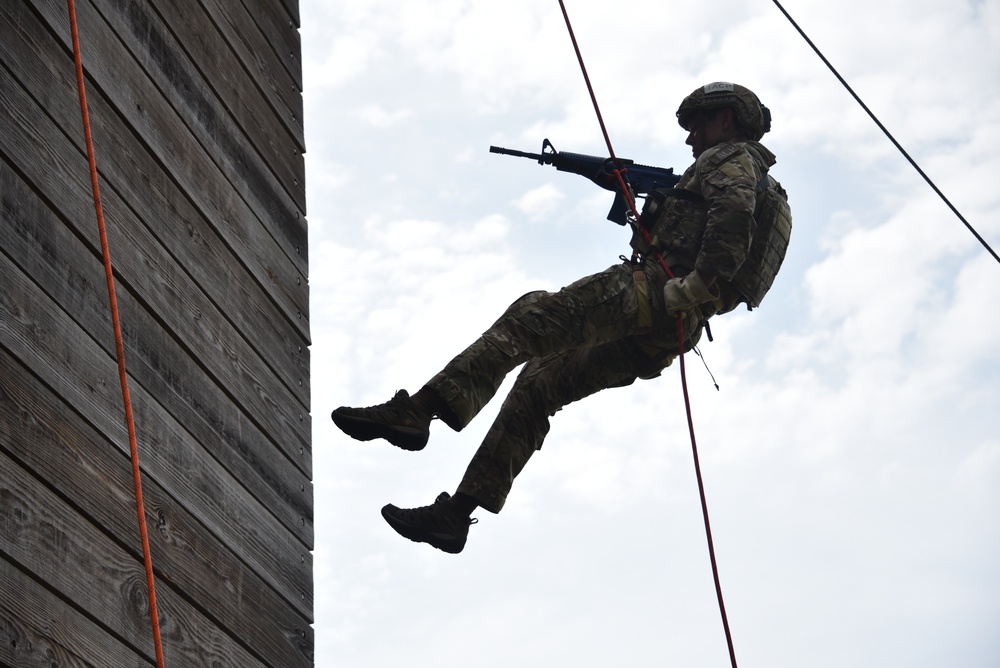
pixel 713 230
pixel 601 331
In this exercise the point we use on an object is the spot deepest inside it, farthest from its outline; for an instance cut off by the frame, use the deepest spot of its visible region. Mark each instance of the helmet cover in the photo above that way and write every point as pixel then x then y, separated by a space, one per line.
pixel 751 116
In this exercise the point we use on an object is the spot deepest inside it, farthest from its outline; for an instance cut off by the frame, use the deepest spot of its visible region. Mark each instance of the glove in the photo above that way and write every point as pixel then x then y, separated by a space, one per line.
pixel 681 294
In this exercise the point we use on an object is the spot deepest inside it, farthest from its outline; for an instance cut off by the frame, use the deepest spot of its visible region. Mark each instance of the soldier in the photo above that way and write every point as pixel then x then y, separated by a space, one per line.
pixel 722 230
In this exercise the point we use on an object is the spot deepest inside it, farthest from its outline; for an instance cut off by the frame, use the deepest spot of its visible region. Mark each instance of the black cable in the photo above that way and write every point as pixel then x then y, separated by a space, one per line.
pixel 887 133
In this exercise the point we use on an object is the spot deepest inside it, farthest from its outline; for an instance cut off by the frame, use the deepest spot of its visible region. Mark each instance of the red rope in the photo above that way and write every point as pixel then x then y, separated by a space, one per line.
pixel 119 344
pixel 626 192
pixel 704 502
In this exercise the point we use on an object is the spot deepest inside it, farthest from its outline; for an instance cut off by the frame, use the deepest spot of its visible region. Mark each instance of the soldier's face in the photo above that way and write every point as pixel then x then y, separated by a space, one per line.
pixel 705 131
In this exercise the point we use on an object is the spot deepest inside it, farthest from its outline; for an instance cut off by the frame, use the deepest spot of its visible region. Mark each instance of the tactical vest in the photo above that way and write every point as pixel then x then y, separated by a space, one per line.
pixel 770 241
pixel 676 220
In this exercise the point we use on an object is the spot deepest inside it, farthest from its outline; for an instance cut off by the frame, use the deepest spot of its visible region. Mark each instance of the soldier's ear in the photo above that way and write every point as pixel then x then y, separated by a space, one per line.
pixel 730 118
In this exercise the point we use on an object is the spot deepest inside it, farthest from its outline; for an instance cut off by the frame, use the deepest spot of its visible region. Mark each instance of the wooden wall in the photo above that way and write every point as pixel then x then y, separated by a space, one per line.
pixel 196 112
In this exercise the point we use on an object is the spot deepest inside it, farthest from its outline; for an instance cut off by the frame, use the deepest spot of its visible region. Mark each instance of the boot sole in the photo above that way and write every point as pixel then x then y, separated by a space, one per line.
pixel 444 542
pixel 360 429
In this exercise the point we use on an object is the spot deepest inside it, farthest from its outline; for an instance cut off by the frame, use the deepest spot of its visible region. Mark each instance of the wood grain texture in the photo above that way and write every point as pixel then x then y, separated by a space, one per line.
pixel 209 405
pixel 196 112
pixel 267 67
pixel 290 8
pixel 45 537
pixel 157 56
pixel 40 630
pixel 204 75
pixel 37 331
pixel 184 133
pixel 279 145
pixel 281 33
pixel 155 269
pixel 49 440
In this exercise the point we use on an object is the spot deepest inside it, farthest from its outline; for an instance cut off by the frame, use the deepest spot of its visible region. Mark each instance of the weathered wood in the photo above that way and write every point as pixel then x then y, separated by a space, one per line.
pixel 280 146
pixel 199 327
pixel 156 56
pixel 36 330
pixel 36 61
pixel 290 7
pixel 42 535
pixel 40 630
pixel 281 33
pixel 268 69
pixel 196 111
pixel 49 440
pixel 38 242
pixel 259 401
pixel 275 255
pixel 46 250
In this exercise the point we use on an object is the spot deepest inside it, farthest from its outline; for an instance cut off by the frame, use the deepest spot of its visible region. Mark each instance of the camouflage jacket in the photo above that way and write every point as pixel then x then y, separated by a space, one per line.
pixel 726 177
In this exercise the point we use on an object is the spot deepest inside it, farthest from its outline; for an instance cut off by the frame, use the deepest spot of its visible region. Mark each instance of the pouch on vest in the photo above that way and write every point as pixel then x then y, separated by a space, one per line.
pixel 675 220
pixel 767 248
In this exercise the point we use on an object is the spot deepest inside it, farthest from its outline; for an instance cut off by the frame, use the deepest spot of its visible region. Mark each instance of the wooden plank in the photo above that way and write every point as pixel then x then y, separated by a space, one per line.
pixel 280 32
pixel 290 7
pixel 157 56
pixel 61 173
pixel 279 264
pixel 32 56
pixel 280 147
pixel 37 331
pixel 269 70
pixel 231 529
pixel 202 330
pixel 47 538
pixel 49 440
pixel 39 630
pixel 45 250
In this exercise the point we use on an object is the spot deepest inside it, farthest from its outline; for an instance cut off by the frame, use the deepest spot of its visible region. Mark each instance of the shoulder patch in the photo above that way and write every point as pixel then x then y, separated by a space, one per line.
pixel 724 153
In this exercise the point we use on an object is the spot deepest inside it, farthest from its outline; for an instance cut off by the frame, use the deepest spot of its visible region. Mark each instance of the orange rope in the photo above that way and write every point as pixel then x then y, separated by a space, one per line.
pixel 119 345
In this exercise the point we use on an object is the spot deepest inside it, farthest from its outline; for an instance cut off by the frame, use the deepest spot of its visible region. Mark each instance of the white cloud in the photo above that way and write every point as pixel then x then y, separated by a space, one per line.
pixel 850 457
pixel 380 118
pixel 538 203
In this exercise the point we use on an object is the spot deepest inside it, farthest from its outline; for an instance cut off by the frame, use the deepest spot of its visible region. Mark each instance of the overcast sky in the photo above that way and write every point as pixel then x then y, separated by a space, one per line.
pixel 852 455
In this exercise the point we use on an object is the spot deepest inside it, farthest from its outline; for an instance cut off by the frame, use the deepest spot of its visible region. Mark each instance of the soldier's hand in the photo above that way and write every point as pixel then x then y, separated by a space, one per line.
pixel 681 294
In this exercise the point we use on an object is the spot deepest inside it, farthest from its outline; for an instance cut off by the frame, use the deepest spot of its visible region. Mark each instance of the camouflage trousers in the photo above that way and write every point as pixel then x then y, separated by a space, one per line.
pixel 596 333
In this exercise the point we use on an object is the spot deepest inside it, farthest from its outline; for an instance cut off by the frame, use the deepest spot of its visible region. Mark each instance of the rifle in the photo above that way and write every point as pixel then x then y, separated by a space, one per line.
pixel 640 178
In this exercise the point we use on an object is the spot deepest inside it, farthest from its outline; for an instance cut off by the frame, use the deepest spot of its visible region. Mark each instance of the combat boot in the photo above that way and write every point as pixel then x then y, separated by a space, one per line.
pixel 399 421
pixel 442 524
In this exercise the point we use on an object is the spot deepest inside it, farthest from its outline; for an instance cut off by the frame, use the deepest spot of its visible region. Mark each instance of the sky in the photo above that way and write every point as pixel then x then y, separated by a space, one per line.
pixel 851 455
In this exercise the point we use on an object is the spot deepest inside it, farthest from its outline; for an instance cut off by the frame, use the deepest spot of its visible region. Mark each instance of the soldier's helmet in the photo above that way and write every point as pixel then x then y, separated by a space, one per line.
pixel 751 116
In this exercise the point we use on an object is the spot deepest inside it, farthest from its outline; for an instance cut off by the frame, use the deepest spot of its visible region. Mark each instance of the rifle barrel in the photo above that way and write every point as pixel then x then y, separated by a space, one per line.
pixel 516 153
